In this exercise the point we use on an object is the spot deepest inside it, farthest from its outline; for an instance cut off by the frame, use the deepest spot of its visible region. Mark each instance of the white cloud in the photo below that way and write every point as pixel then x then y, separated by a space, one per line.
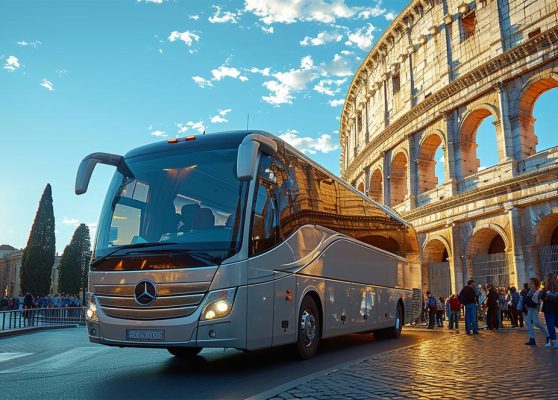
pixel 339 66
pixel 223 71
pixel 291 11
pixel 223 17
pixel 262 71
pixel 48 85
pixel 188 37
pixel 321 39
pixel 158 133
pixel 221 116
pixel 12 63
pixel 197 126
pixel 336 102
pixel 310 145
pixel 286 83
pixel 152 1
pixel 70 221
pixel 267 29
pixel 362 37
pixel 194 17
pixel 202 82
pixel 24 43
pixel 389 16
pixel 326 86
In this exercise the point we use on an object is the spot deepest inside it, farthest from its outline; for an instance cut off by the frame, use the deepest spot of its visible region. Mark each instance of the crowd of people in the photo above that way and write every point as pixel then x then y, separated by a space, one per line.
pixel 492 306
pixel 29 301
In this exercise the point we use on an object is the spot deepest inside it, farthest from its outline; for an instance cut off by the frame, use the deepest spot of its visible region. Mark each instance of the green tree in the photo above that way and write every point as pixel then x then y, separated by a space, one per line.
pixel 38 256
pixel 72 276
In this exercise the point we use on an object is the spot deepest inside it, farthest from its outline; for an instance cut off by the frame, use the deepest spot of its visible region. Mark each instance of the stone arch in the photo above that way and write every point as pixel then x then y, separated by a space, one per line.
pixel 547 230
pixel 468 136
pixel 482 237
pixel 528 96
pixel 436 249
pixel 376 191
pixel 427 179
pixel 399 178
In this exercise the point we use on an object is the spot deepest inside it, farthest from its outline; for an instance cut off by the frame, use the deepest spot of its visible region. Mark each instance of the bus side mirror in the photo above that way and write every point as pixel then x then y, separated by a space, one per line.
pixel 246 160
pixel 248 154
pixel 87 166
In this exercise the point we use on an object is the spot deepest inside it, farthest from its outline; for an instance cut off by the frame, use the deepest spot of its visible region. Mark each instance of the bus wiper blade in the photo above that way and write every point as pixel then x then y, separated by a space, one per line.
pixel 133 247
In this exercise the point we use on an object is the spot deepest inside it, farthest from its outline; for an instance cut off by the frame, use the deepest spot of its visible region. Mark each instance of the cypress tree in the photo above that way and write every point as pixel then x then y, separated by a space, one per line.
pixel 38 256
pixel 75 262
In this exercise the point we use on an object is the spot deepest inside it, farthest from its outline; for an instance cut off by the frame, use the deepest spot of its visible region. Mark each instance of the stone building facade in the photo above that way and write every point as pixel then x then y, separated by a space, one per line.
pixel 436 73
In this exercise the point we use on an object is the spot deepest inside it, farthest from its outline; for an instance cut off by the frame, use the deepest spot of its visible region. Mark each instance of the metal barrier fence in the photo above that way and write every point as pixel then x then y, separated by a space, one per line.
pixel 492 268
pixel 439 282
pixel 17 319
pixel 549 260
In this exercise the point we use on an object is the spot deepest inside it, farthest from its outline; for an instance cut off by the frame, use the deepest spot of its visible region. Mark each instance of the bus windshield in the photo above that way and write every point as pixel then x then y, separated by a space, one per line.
pixel 189 200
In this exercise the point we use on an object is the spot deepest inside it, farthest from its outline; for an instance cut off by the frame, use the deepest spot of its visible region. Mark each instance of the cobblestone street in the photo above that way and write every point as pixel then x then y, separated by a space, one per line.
pixel 495 364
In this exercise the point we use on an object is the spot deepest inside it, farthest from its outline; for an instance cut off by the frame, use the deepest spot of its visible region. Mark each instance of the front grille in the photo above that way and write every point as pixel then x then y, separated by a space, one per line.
pixel 173 300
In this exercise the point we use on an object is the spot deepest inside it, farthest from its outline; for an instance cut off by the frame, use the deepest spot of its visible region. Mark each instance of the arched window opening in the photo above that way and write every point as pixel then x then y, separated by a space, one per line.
pixel 497 245
pixel 361 187
pixel 376 187
pixel 544 119
pixel 431 172
pixel 487 259
pixel 398 180
pixel 478 143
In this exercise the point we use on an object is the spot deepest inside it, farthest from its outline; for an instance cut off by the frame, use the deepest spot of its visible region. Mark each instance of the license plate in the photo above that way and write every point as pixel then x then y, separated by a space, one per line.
pixel 145 334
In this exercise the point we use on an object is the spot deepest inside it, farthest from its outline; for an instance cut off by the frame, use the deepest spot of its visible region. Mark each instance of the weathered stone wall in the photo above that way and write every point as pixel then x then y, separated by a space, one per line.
pixel 438 71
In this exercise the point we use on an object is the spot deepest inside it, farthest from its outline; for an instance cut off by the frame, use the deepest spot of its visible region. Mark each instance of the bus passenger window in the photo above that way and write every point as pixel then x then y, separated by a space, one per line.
pixel 265 229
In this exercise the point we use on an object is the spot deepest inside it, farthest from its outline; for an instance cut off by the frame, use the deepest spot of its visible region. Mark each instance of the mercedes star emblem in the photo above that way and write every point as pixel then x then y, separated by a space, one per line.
pixel 145 293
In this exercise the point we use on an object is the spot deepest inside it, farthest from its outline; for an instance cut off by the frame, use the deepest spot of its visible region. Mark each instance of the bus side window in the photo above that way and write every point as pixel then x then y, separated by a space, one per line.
pixel 265 227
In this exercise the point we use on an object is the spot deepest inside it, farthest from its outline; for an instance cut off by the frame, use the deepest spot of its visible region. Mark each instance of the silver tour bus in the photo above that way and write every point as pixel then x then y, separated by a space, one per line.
pixel 237 240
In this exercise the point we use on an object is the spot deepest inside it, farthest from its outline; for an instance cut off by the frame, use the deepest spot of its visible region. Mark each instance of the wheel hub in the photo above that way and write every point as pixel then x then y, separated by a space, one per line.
pixel 308 328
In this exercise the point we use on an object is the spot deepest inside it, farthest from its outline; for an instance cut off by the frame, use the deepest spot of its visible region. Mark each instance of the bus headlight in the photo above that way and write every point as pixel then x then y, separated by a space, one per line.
pixel 218 304
pixel 91 312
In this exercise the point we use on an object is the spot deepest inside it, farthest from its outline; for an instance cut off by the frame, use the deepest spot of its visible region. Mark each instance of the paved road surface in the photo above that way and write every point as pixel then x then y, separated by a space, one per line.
pixel 62 364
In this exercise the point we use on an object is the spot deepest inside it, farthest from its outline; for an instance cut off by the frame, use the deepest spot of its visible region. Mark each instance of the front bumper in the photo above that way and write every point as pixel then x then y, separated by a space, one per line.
pixel 185 331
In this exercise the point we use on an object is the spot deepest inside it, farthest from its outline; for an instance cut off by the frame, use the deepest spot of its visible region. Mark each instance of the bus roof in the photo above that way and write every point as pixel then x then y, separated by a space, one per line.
pixel 235 138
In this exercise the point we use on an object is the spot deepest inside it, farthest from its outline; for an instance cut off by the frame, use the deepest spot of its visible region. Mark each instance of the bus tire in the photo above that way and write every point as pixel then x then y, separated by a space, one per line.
pixel 395 331
pixel 309 334
pixel 184 352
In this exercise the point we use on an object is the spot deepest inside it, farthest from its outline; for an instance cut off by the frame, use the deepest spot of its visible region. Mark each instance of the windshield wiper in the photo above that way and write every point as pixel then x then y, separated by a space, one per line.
pixel 133 247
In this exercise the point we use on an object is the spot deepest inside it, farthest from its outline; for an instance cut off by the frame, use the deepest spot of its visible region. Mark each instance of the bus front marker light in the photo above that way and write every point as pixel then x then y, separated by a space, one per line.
pixel 91 312
pixel 218 304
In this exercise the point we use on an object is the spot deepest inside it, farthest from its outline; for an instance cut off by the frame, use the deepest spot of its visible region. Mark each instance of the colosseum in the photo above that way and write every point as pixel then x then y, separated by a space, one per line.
pixel 439 70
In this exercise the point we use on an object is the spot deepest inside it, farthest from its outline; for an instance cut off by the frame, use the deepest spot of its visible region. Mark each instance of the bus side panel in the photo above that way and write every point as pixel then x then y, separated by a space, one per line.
pixel 259 319
pixel 284 309
pixel 345 308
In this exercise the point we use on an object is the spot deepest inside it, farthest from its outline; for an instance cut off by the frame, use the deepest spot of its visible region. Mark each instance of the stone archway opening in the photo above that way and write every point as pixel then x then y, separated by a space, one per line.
pixel 488 258
pixel 547 240
pixel 538 103
pixel 398 179
pixel 478 131
pixel 360 187
pixel 376 187
pixel 436 268
pixel 431 153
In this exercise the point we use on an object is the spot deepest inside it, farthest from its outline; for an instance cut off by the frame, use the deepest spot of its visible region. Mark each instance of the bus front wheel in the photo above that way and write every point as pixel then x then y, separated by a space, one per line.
pixel 309 334
pixel 184 352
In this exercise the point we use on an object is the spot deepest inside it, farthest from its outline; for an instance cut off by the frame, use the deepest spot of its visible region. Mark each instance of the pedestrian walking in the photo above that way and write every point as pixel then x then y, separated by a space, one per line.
pixel 531 305
pixel 469 299
pixel 432 307
pixel 440 312
pixel 516 317
pixel 454 308
pixel 492 308
pixel 549 296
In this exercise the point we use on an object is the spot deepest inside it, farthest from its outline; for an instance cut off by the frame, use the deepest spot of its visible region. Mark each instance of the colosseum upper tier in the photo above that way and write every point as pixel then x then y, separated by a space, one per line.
pixel 436 73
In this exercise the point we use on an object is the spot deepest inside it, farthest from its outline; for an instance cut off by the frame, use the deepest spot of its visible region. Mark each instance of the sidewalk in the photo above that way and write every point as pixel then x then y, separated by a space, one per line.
pixel 495 364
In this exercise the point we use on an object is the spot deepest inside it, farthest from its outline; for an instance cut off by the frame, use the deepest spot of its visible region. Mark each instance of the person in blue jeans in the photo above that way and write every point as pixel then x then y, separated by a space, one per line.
pixel 550 307
pixel 469 299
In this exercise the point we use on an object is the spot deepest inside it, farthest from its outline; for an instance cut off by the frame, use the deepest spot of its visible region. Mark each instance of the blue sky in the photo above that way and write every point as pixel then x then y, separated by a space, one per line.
pixel 79 77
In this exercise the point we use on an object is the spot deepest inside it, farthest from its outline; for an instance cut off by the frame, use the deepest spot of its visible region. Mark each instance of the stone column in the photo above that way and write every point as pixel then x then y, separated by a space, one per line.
pixel 519 272
pixel 386 112
pixel 387 173
pixel 503 129
pixel 458 269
